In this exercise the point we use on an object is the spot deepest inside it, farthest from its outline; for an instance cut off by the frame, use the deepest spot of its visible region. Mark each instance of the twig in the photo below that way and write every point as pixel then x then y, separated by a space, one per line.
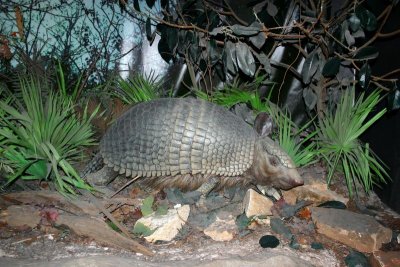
pixel 125 185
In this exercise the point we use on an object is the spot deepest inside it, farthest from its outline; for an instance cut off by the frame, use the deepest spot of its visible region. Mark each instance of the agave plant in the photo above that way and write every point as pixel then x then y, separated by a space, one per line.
pixel 339 144
pixel 42 136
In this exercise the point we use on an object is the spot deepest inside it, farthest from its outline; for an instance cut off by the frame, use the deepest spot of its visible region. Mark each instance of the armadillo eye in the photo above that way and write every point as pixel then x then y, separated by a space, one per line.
pixel 274 161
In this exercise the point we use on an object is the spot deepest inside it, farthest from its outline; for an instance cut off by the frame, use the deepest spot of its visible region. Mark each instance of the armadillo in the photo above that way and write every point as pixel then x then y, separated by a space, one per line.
pixel 184 142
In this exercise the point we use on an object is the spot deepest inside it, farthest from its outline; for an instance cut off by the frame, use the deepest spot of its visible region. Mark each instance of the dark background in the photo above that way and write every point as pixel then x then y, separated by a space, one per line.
pixel 384 135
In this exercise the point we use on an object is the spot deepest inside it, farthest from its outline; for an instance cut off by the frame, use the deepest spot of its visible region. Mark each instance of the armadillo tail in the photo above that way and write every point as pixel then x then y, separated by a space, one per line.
pixel 95 164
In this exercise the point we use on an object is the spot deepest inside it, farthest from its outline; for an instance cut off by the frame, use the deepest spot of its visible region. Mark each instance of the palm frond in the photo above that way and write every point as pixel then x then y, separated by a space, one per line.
pixel 339 144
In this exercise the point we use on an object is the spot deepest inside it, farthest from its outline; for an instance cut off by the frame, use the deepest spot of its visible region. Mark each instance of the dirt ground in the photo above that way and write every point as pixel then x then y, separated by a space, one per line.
pixel 47 243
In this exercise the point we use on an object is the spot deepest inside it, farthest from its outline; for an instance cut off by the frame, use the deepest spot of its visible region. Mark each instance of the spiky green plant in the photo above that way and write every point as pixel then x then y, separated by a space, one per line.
pixel 339 144
pixel 139 88
pixel 235 93
pixel 302 150
pixel 43 138
pixel 73 94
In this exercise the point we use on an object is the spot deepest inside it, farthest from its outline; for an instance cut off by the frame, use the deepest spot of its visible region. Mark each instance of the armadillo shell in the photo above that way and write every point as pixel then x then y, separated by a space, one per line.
pixel 178 136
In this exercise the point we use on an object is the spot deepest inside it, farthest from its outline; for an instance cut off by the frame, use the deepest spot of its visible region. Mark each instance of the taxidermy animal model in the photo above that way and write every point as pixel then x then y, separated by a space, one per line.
pixel 185 142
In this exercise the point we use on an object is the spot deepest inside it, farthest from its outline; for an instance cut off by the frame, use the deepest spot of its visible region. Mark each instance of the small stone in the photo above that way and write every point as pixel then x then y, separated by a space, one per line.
pixel 280 228
pixel 356 259
pixel 165 227
pixel 316 245
pixel 255 204
pixel 316 192
pixel 359 231
pixel 294 244
pixel 385 259
pixel 222 229
pixel 333 204
pixel 268 241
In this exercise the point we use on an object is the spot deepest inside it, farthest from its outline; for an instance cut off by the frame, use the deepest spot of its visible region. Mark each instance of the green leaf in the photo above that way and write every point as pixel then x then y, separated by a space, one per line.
pixel 219 69
pixel 331 67
pixel 141 229
pixel 264 61
pixel 150 3
pixel 394 99
pixel 272 9
pixel 354 22
pixel 245 60
pixel 162 209
pixel 367 18
pixel 136 5
pixel 350 40
pixel 367 53
pixel 364 75
pixel 172 36
pixel 246 30
pixel 164 50
pixel 38 169
pixel 229 57
pixel 310 66
pixel 217 30
pixel 213 54
pixel 147 206
pixel 310 98
pixel 149 34
pixel 242 221
pixel 164 3
pixel 258 40
pixel 194 49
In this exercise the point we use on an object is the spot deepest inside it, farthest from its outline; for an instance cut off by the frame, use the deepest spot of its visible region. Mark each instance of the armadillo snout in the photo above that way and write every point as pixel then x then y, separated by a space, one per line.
pixel 291 179
pixel 273 166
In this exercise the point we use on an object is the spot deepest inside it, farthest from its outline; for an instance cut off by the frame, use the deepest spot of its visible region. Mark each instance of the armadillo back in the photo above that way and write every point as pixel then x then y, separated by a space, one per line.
pixel 168 136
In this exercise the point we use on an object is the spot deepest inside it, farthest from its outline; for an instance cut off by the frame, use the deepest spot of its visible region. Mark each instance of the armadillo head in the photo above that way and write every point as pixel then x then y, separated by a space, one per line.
pixel 273 167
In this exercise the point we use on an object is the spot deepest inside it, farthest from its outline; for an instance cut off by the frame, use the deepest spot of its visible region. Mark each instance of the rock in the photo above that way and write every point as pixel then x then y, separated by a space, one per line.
pixel 280 228
pixel 356 259
pixel 16 216
pixel 255 204
pixel 385 258
pixel 267 259
pixel 166 226
pixel 317 192
pixel 222 229
pixel 361 232
pixel 268 241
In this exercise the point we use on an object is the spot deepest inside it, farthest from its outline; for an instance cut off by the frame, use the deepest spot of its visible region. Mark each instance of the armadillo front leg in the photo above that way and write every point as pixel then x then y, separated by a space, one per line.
pixel 208 186
pixel 270 191
pixel 198 196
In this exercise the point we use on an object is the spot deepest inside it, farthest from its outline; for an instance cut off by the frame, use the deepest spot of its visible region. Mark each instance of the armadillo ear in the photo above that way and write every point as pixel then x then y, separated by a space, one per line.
pixel 263 124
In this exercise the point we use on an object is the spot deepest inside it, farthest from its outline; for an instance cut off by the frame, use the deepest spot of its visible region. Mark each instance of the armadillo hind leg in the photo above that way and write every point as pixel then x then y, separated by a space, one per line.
pixel 95 164
pixel 96 173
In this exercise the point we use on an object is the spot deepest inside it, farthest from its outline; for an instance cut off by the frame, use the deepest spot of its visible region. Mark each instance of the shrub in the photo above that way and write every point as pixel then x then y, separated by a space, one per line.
pixel 41 136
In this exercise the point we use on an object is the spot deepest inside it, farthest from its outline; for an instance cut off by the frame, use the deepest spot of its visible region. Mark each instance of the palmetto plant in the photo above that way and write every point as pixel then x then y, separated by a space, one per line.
pixel 339 144
pixel 41 136
pixel 138 88
pixel 236 93
pixel 302 149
